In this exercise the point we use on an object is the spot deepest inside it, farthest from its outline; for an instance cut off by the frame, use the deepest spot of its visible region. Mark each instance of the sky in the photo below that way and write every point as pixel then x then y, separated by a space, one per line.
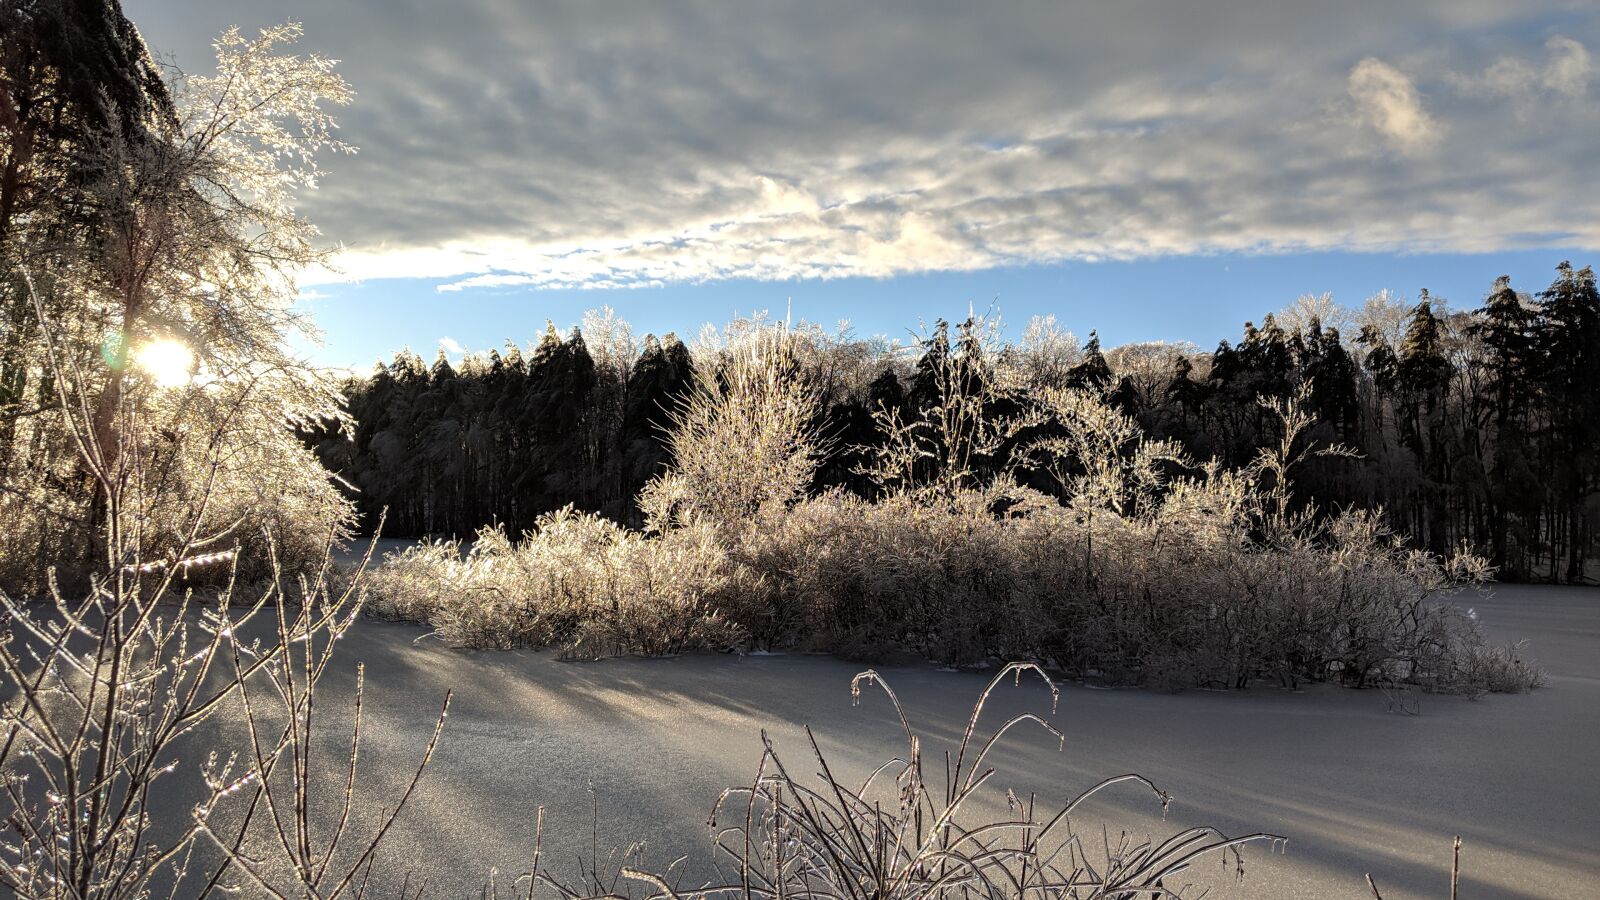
pixel 1156 171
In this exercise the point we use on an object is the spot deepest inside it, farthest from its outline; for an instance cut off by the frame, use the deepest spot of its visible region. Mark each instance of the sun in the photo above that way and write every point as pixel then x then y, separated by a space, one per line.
pixel 169 362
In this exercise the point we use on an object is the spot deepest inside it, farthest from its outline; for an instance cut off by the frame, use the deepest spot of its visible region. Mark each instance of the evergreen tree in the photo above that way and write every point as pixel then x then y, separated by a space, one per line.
pixel 1382 364
pixel 1422 368
pixel 1569 354
pixel 1093 373
pixel 1505 327
pixel 1186 394
pixel 1233 417
pixel 74 73
pixel 1334 395
pixel 657 385
pixel 1274 359
pixel 927 385
pixel 78 94
pixel 1422 375
pixel 851 434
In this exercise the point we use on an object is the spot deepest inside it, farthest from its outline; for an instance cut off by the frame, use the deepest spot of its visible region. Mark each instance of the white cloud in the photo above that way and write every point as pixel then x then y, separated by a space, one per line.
pixel 1569 69
pixel 451 346
pixel 515 145
pixel 1389 102
pixel 1566 72
pixel 1506 77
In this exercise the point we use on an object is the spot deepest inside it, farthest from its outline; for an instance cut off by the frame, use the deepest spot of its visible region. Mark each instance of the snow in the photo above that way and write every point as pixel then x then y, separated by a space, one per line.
pixel 1355 789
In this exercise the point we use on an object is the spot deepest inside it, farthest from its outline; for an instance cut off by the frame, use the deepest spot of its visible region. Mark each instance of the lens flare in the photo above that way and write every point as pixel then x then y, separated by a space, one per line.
pixel 168 362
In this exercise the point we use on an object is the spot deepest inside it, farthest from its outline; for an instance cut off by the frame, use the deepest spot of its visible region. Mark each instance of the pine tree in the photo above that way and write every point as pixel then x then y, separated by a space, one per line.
pixel 1323 361
pixel 73 72
pixel 440 450
pixel 927 381
pixel 1224 362
pixel 1569 351
pixel 1381 362
pixel 1094 373
pixel 1187 394
pixel 569 413
pixel 1338 394
pixel 1422 368
pixel 1504 326
pixel 1422 374
pixel 851 433
pixel 657 385
pixel 1274 359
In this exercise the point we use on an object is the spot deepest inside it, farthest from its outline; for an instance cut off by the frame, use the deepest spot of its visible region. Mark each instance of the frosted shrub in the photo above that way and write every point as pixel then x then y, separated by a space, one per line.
pixel 1202 578
pixel 1174 598
pixel 1484 668
pixel 254 473
pixel 412 583
pixel 958 582
pixel 577 581
pixel 665 597
pixel 744 441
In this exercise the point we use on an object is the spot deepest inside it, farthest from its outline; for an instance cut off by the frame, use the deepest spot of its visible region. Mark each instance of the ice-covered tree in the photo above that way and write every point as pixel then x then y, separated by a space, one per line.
pixel 744 441
pixel 167 308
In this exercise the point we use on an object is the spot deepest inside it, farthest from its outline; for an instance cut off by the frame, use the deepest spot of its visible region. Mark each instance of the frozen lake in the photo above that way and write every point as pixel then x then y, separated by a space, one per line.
pixel 1354 787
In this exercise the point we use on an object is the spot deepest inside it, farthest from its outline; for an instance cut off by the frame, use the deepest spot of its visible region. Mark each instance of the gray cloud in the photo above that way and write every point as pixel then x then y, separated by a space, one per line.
pixel 508 143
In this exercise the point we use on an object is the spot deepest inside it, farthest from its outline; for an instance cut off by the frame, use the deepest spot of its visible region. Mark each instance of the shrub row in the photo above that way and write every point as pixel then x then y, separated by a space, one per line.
pixel 1172 599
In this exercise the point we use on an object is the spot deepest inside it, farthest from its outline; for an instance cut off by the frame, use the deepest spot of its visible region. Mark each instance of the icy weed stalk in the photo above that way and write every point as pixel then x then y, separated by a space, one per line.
pixel 790 836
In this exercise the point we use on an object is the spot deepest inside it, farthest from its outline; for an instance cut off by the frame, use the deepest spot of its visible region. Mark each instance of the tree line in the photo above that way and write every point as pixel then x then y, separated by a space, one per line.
pixel 1476 427
pixel 505 437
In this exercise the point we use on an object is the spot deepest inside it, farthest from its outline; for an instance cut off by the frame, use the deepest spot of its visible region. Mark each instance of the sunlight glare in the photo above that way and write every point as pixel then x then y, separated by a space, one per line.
pixel 167 361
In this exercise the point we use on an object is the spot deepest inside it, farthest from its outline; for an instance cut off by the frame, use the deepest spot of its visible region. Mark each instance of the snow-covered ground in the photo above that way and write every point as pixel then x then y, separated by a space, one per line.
pixel 1355 788
pixel 351 553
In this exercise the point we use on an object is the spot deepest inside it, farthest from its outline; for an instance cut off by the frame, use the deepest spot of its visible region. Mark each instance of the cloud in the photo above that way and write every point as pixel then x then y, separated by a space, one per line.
pixel 451 346
pixel 1569 69
pixel 1566 72
pixel 510 145
pixel 1389 101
